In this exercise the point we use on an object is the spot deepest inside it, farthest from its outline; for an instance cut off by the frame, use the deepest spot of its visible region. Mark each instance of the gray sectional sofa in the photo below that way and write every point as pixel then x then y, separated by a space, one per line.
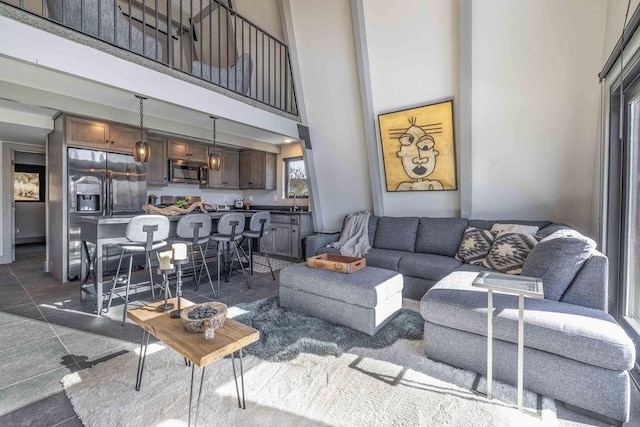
pixel 575 352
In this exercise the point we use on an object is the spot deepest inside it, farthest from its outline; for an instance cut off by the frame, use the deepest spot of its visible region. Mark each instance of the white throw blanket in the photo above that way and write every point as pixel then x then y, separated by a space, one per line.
pixel 354 240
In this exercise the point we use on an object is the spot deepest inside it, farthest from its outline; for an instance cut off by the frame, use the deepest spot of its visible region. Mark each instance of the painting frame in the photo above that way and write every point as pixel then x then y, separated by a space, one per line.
pixel 418 148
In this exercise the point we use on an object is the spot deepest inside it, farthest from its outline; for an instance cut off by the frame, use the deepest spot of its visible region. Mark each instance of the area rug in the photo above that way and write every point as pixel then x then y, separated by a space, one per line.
pixel 260 264
pixel 303 377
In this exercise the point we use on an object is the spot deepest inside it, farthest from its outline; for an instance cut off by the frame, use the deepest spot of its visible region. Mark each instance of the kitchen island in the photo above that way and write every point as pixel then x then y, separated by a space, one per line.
pixel 285 239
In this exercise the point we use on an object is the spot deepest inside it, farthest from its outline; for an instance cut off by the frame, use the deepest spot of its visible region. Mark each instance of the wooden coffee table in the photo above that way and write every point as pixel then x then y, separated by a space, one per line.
pixel 230 338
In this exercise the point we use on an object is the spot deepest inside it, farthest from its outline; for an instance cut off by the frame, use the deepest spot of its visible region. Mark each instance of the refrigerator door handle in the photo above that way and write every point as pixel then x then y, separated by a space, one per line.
pixel 104 192
pixel 110 193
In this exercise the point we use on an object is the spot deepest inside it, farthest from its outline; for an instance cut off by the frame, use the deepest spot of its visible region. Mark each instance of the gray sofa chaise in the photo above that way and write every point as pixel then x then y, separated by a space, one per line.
pixel 574 351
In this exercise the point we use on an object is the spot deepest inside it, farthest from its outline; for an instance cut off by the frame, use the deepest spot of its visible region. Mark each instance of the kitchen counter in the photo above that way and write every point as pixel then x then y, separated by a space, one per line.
pixel 124 219
pixel 285 236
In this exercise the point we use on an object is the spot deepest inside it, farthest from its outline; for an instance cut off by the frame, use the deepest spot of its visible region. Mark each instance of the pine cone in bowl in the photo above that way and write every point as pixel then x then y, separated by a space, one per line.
pixel 193 317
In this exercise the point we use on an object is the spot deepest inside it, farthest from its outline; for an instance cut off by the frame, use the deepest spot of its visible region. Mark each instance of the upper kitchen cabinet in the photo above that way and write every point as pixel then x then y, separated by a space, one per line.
pixel 257 170
pixel 100 135
pixel 157 168
pixel 228 174
pixel 190 151
pixel 87 133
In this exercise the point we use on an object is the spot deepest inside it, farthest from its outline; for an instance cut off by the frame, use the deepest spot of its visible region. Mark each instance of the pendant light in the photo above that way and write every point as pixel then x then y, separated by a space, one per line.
pixel 214 158
pixel 141 152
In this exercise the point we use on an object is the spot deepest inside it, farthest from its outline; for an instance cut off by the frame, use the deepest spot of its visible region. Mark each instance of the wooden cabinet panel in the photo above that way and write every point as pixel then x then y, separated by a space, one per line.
pixel 198 153
pixel 231 169
pixel 87 133
pixel 245 169
pixel 281 239
pixel 178 150
pixel 227 175
pixel 123 138
pixel 295 242
pixel 157 169
pixel 257 170
pixel 184 150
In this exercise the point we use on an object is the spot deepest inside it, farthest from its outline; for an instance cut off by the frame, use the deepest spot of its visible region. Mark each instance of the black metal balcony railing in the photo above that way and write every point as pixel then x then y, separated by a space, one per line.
pixel 204 38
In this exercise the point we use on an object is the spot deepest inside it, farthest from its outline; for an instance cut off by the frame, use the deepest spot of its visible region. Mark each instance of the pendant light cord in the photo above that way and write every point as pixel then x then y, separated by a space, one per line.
pixel 141 119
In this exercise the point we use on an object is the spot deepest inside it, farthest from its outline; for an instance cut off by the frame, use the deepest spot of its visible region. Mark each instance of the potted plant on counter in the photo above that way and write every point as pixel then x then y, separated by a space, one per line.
pixel 152 199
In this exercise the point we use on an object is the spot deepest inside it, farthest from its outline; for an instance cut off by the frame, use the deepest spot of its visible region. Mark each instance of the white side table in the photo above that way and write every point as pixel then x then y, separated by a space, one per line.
pixel 510 284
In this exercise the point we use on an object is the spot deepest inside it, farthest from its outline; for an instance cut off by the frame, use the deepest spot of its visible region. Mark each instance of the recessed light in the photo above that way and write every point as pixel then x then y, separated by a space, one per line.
pixel 289 140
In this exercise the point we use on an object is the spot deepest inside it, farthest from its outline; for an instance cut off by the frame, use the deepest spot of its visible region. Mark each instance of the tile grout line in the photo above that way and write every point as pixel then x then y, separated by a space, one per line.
pixel 75 361
pixel 31 378
pixel 70 418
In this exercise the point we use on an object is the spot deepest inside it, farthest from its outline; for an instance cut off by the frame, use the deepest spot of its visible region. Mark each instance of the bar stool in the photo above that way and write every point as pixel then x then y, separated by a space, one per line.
pixel 230 228
pixel 144 233
pixel 194 231
pixel 258 228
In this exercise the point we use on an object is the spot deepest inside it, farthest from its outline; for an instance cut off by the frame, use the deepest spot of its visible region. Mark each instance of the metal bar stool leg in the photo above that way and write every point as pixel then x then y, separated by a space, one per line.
pixel 241 266
pixel 266 255
pixel 126 298
pixel 151 283
pixel 115 282
pixel 204 263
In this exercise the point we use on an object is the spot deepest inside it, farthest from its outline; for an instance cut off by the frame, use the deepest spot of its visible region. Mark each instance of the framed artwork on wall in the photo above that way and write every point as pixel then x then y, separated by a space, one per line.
pixel 418 148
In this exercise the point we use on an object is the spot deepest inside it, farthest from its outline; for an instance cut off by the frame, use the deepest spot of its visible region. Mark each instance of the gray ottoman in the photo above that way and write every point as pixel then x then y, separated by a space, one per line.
pixel 365 300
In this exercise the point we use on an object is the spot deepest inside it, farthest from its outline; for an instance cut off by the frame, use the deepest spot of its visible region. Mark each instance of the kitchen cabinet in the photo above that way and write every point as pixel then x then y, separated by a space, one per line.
pixel 228 174
pixel 157 168
pixel 100 135
pixel 286 234
pixel 123 139
pixel 190 151
pixel 257 170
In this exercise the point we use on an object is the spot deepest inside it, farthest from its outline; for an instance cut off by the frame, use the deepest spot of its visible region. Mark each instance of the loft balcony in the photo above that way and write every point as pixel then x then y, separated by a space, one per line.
pixel 205 39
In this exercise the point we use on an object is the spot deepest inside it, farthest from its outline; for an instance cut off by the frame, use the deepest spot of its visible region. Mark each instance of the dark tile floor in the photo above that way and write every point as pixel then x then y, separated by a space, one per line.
pixel 46 332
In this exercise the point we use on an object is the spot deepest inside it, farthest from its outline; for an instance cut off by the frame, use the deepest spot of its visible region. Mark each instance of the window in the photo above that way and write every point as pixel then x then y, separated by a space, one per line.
pixel 28 183
pixel 295 177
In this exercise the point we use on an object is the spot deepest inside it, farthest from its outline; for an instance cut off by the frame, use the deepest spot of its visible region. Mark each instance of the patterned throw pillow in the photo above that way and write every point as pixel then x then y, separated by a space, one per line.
pixel 509 251
pixel 475 245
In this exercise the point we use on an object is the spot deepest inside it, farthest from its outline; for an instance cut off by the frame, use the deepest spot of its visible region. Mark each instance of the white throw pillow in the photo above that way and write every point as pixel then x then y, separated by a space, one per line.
pixel 515 228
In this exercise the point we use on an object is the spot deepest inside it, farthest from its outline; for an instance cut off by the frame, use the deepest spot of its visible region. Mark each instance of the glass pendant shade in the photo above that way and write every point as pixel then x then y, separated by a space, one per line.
pixel 214 158
pixel 141 152
pixel 214 161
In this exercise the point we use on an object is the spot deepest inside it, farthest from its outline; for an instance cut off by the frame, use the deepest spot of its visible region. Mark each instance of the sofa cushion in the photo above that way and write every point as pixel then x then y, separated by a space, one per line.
pixel 509 251
pixel 584 334
pixel 440 236
pixel 427 266
pixel 396 233
pixel 475 245
pixel 384 258
pixel 328 250
pixel 486 224
pixel 556 260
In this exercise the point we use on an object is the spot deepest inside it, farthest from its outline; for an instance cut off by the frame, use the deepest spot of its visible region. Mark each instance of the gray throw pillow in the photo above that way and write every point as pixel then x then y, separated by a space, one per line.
pixel 475 245
pixel 557 259
pixel 509 252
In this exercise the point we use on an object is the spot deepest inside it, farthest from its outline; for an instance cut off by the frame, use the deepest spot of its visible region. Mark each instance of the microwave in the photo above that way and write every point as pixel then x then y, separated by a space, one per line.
pixel 187 172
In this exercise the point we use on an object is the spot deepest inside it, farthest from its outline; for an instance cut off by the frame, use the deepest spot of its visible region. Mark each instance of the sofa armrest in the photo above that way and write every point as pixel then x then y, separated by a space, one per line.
pixel 317 241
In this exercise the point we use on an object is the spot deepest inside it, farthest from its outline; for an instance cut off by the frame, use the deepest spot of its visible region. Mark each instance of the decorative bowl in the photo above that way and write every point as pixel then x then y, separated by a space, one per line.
pixel 196 326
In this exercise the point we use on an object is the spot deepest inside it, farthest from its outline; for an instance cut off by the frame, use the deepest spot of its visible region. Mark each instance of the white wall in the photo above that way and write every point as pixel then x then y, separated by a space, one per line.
pixel 326 54
pixel 413 61
pixel 535 108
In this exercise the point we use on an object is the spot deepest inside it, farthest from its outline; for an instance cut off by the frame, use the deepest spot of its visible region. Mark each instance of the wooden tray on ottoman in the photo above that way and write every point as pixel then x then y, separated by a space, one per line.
pixel 339 263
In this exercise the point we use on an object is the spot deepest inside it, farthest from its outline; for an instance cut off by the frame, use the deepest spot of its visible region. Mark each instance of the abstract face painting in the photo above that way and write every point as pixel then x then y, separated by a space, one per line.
pixel 418 148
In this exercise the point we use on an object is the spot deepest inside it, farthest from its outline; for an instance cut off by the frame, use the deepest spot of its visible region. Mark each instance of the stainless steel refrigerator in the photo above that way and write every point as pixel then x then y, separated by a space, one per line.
pixel 101 184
